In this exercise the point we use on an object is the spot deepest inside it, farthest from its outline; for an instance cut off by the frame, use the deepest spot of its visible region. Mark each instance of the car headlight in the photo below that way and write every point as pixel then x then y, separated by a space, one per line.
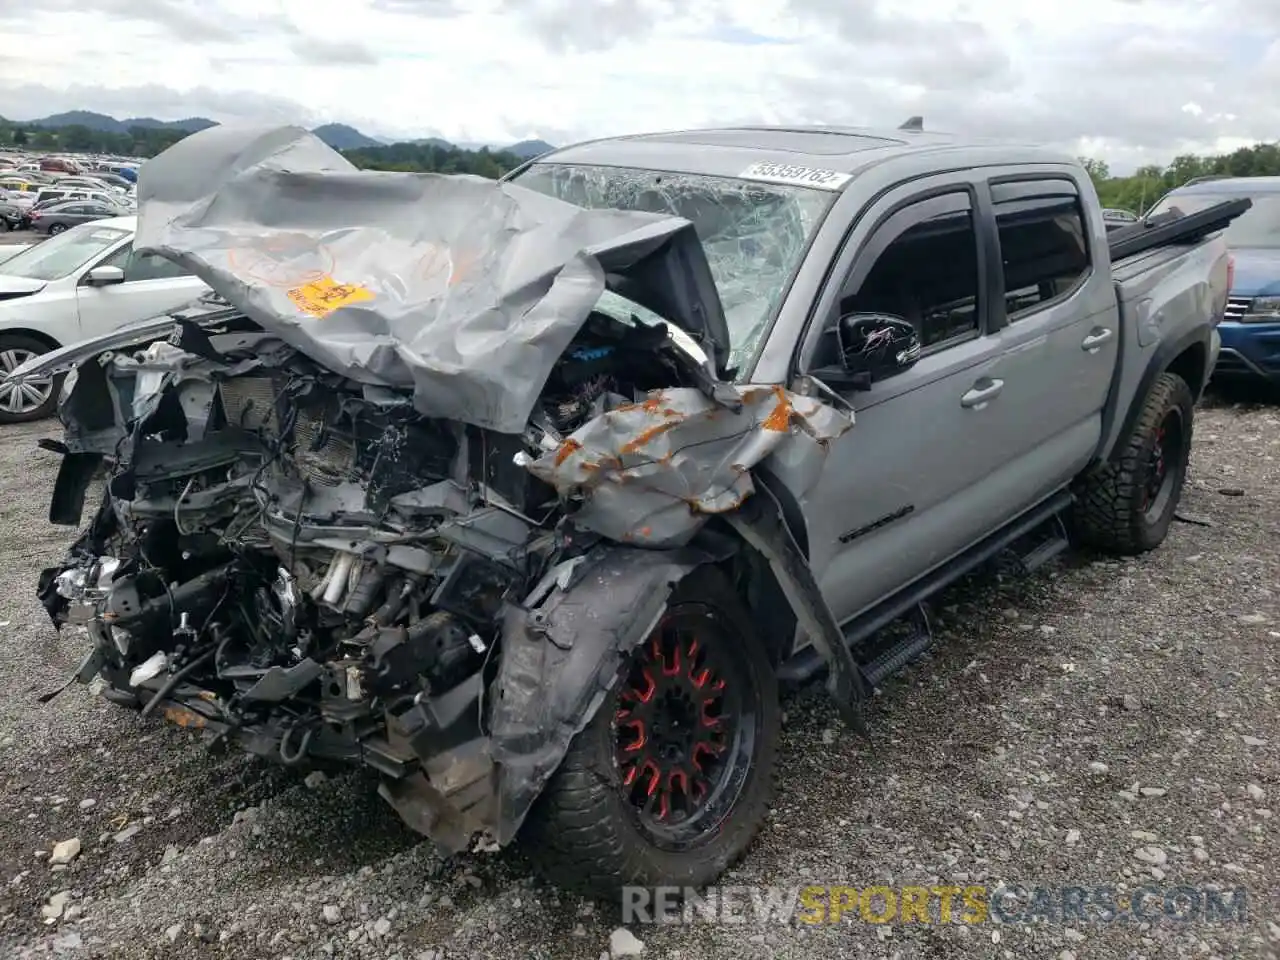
pixel 1263 310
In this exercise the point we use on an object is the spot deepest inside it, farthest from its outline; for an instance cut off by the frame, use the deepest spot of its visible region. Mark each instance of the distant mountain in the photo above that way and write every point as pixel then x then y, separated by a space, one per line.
pixel 104 124
pixel 528 149
pixel 81 118
pixel 190 124
pixel 340 136
pixel 442 144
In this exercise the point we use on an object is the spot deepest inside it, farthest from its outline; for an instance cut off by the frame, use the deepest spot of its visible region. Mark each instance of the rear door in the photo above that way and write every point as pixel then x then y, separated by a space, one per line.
pixel 152 286
pixel 1057 330
pixel 72 214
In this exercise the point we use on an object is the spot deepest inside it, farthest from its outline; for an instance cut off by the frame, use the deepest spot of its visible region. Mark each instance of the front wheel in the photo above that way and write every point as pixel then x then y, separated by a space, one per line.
pixel 1127 505
pixel 672 779
pixel 32 400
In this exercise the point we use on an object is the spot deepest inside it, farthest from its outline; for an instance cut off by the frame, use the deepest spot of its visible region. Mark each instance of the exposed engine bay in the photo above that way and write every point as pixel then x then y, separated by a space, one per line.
pixel 283 554
pixel 418 528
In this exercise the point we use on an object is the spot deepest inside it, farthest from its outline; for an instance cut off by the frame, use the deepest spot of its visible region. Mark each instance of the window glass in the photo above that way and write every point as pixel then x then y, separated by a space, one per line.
pixel 929 275
pixel 119 259
pixel 59 256
pixel 1044 248
pixel 151 267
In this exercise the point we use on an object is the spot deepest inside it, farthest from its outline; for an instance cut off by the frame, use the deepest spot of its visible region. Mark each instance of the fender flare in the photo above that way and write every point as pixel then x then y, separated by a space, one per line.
pixel 562 650
pixel 1161 360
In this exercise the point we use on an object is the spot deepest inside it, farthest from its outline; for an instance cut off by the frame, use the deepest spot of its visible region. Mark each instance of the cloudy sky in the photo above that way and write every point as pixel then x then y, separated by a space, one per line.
pixel 1131 81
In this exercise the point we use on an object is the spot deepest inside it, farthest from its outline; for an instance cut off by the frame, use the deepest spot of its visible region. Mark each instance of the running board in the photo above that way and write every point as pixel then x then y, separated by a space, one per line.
pixel 902 654
pixel 1054 542
pixel 1042 554
pixel 807 663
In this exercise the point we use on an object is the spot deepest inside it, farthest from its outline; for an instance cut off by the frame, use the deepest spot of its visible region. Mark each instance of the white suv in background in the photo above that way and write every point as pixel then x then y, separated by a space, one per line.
pixel 81 283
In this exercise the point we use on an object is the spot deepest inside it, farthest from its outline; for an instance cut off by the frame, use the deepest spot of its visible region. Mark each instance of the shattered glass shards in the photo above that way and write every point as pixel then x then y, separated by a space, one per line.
pixel 651 473
pixel 754 234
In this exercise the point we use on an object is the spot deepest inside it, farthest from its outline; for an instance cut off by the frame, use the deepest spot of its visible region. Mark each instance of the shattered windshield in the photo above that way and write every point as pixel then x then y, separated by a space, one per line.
pixel 755 234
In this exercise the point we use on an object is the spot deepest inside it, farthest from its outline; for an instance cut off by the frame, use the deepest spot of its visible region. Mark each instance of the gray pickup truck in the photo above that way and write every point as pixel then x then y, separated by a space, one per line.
pixel 529 496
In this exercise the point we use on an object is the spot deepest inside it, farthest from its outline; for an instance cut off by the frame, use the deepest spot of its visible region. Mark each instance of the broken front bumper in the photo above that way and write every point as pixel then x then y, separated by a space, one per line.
pixel 469 761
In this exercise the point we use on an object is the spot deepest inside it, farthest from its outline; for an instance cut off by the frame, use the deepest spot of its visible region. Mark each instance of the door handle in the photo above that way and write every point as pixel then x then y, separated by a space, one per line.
pixel 983 392
pixel 1096 338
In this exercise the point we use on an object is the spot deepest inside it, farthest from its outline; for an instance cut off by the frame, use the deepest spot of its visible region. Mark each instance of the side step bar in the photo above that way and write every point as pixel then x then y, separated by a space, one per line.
pixel 808 663
pixel 902 653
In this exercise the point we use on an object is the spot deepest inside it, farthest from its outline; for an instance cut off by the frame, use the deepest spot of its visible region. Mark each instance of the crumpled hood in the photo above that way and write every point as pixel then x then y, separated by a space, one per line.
pixel 12 288
pixel 1257 272
pixel 462 289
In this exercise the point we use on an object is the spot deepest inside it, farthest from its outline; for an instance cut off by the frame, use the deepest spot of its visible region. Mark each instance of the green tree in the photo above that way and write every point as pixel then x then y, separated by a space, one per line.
pixel 19 137
pixel 1097 169
pixel 78 138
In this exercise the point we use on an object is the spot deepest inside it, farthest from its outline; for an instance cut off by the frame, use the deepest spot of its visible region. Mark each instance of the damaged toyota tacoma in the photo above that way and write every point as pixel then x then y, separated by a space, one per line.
pixel 530 495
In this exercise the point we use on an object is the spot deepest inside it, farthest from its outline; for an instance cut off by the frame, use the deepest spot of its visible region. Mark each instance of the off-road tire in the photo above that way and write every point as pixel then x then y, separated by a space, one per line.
pixel 16 341
pixel 580 835
pixel 1108 514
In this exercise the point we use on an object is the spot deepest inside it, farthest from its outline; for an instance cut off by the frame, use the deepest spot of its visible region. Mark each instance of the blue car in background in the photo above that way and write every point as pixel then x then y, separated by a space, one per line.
pixel 1251 329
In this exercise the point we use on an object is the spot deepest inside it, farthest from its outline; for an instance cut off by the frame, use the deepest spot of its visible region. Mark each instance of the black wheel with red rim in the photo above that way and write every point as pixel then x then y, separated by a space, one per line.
pixel 684 728
pixel 1167 454
pixel 672 779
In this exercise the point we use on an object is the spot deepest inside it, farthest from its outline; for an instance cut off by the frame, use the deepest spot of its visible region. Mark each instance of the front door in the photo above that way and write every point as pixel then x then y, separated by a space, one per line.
pixel 152 286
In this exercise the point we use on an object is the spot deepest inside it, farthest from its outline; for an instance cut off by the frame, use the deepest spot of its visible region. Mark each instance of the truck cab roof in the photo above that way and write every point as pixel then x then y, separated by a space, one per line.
pixel 728 151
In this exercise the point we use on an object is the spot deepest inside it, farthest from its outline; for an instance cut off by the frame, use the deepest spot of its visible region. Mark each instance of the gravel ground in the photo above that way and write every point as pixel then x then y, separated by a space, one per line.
pixel 1069 720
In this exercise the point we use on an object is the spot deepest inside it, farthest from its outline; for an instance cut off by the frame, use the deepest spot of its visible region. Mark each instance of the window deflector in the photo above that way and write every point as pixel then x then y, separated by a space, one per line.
pixel 909 214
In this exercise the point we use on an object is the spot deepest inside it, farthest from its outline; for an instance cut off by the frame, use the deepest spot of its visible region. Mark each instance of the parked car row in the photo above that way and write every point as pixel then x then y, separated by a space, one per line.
pixel 57 213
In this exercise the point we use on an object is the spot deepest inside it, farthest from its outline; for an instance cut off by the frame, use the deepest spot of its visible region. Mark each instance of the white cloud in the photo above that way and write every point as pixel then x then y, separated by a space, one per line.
pixel 1135 81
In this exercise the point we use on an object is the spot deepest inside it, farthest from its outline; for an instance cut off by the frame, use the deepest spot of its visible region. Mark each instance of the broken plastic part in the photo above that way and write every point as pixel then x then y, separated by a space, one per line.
pixel 153 666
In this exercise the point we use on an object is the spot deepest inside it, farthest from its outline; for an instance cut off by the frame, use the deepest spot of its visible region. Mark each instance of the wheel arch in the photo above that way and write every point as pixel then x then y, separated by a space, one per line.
pixel 1192 366
pixel 37 335
pixel 1187 356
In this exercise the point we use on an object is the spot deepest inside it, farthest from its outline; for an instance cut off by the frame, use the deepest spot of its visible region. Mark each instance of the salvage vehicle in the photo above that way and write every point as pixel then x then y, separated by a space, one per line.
pixel 1251 331
pixel 529 495
pixel 83 282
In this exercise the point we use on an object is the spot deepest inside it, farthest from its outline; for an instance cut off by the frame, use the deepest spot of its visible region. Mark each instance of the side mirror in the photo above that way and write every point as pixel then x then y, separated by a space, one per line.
pixel 877 345
pixel 104 276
